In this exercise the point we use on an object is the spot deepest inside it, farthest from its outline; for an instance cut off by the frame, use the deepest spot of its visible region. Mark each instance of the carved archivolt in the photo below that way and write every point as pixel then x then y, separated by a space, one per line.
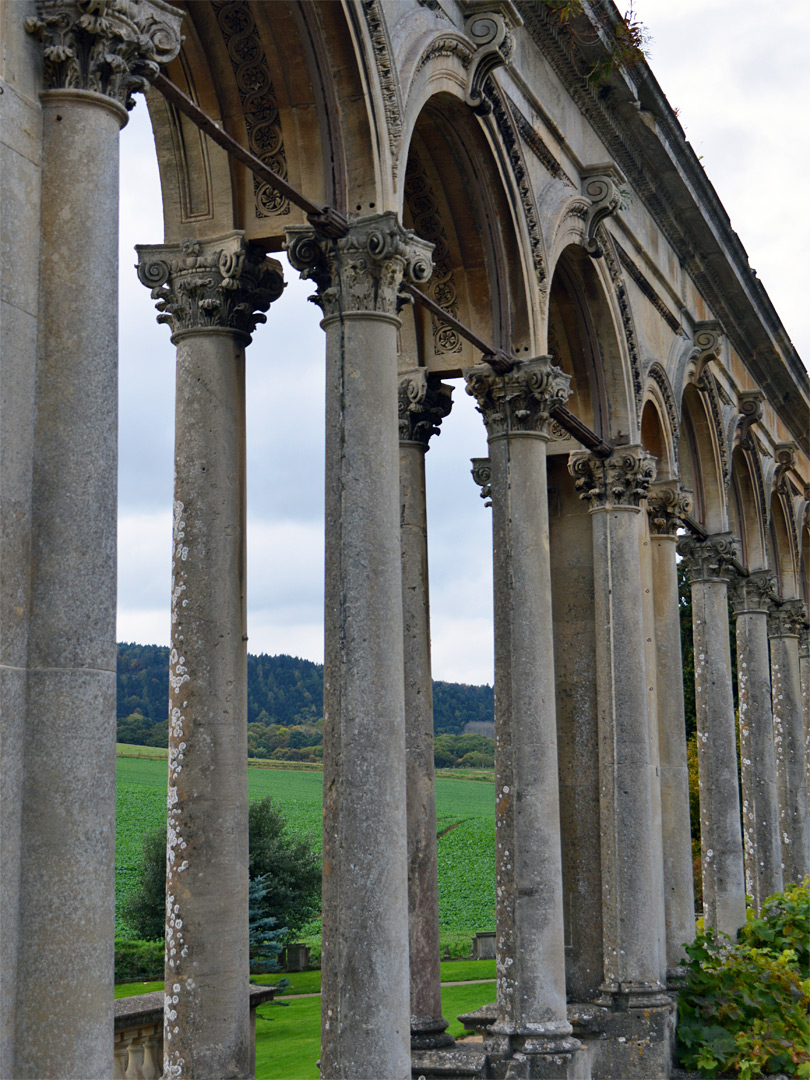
pixel 389 83
pixel 427 223
pixel 259 104
pixel 707 384
pixel 659 376
pixel 620 289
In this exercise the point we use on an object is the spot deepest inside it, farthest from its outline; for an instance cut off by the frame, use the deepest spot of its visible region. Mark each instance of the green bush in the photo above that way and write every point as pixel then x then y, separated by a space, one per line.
pixel 139 961
pixel 744 1005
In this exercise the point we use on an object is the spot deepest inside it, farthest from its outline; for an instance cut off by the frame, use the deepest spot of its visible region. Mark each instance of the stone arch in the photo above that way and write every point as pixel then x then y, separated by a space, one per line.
pixel 700 461
pixel 659 427
pixel 747 514
pixel 453 195
pixel 782 549
pixel 269 79
pixel 804 557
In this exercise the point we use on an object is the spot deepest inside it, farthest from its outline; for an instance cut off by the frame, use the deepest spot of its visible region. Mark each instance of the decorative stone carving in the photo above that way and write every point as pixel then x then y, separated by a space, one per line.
pixel 804 640
pixel 361 271
pixel 427 222
pixel 750 414
pixel 482 476
pixel 389 83
pixel 601 187
pixel 712 559
pixel 489 29
pixel 219 284
pixel 258 97
pixel 752 593
pixel 620 289
pixel 666 507
pixel 787 619
pixel 708 337
pixel 423 404
pixel 519 402
pixel 621 480
pixel 785 456
pixel 112 47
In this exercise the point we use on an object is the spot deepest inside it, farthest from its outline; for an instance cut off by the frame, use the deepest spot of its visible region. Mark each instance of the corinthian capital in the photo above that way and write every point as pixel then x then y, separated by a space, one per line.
pixel 623 479
pixel 666 506
pixel 423 404
pixel 210 285
pixel 362 270
pixel 519 401
pixel 752 593
pixel 114 47
pixel 787 619
pixel 482 476
pixel 711 559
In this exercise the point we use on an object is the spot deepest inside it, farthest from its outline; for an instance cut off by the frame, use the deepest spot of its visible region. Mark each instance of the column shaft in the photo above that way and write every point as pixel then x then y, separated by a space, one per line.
pixel 677 844
pixel 804 674
pixel 720 828
pixel 763 871
pixel 422 406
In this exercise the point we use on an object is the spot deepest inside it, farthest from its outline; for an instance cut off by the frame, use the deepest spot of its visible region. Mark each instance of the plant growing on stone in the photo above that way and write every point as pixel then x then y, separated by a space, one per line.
pixel 744 1005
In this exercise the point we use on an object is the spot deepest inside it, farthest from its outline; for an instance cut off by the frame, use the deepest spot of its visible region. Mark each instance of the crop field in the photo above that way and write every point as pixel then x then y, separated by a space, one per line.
pixel 465 811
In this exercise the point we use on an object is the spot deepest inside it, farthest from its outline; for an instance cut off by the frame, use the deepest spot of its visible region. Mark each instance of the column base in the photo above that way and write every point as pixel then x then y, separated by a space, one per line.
pixel 635 1043
pixel 457 1062
pixel 429 1033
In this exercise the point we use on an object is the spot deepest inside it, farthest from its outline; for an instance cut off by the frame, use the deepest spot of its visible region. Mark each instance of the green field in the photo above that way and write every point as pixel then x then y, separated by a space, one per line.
pixel 465 811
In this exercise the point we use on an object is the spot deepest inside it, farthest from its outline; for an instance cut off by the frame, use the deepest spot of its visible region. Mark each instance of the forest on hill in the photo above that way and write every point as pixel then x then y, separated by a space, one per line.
pixel 285 706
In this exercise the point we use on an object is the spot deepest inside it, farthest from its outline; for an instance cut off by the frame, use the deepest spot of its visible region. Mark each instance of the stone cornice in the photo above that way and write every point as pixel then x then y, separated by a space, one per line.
pixel 753 593
pixel 519 402
pixel 666 506
pixel 712 559
pixel 423 404
pixel 211 285
pixel 632 117
pixel 623 479
pixel 112 47
pixel 362 271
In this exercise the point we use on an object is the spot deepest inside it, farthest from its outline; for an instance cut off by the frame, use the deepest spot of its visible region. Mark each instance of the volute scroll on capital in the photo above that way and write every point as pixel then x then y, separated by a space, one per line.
pixel 787 619
pixel 361 271
pixel 201 286
pixel 667 505
pixel 424 402
pixel 112 47
pixel 519 401
pixel 481 473
pixel 753 593
pixel 621 480
pixel 712 559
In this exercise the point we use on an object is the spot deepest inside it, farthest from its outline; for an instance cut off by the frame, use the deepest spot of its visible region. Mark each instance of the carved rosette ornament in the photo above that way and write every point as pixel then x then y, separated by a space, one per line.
pixel 362 271
pixel 482 475
pixel 623 479
pixel 112 47
pixel 213 285
pixel 423 404
pixel 520 401
pixel 753 593
pixel 787 619
pixel 711 559
pixel 666 508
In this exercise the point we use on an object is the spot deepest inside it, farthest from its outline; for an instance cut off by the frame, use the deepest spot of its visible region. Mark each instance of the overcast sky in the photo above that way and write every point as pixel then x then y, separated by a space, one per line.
pixel 738 74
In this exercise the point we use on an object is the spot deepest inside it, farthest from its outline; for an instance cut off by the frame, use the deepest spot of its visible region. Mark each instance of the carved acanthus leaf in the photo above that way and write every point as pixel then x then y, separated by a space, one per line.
pixel 623 479
pixel 787 619
pixel 200 286
pixel 423 404
pixel 361 271
pixel 113 47
pixel 667 504
pixel 712 559
pixel 752 593
pixel 520 400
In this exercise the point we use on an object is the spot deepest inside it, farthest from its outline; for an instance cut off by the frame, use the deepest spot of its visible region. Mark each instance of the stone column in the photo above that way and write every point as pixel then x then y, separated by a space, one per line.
pixel 709 564
pixel 532 1012
pixel 365 1029
pixel 423 404
pixel 750 598
pixel 210 293
pixel 784 627
pixel 665 505
pixel 63 1013
pixel 632 907
pixel 804 672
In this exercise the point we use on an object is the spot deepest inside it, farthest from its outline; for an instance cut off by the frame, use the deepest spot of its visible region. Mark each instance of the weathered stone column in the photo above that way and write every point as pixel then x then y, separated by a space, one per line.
pixel 784 627
pixel 750 598
pixel 804 672
pixel 63 1014
pixel 365 1028
pixel 209 292
pixel 665 505
pixel 632 908
pixel 530 944
pixel 709 565
pixel 423 404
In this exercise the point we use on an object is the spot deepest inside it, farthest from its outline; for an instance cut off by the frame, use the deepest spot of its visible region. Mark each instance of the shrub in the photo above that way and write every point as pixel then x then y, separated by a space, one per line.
pixel 138 961
pixel 744 1005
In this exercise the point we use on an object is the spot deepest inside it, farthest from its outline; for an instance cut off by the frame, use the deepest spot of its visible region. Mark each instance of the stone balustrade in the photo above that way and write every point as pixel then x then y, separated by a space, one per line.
pixel 138 1046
